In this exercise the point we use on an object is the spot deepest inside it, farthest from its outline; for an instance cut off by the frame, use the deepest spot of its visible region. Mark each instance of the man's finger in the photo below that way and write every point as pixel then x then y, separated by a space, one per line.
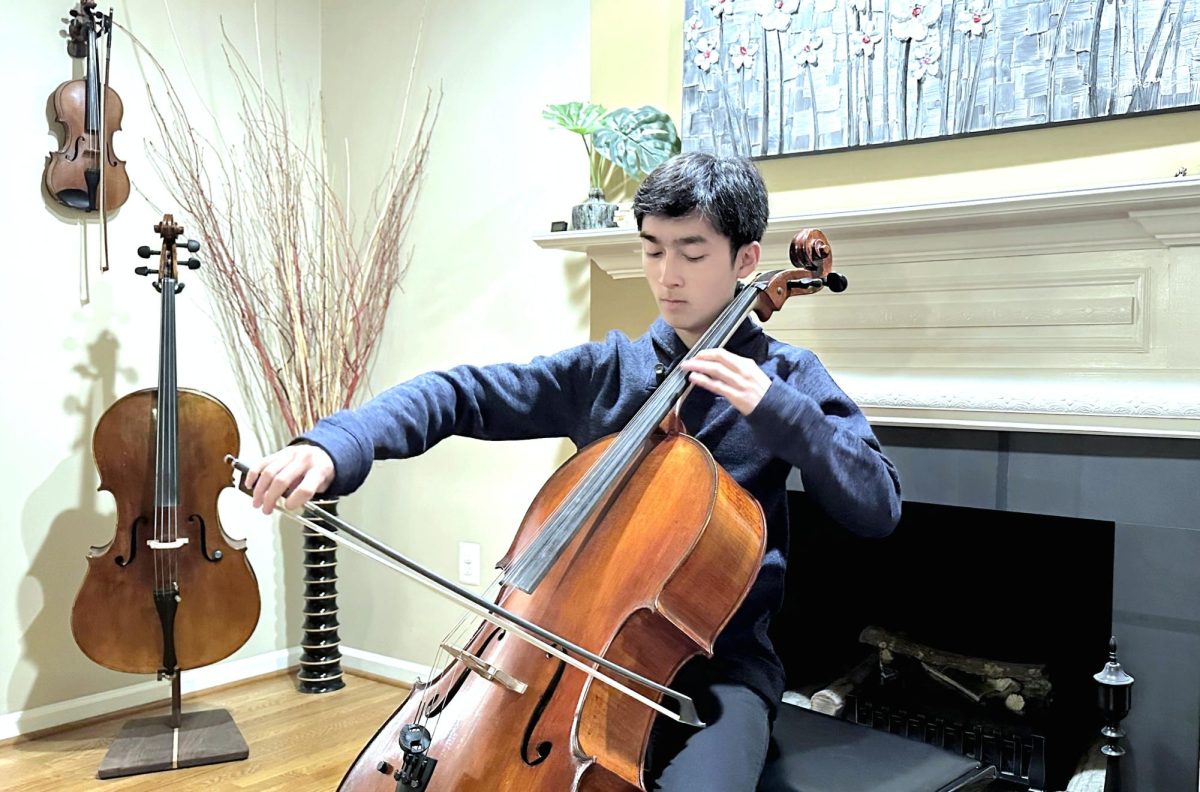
pixel 711 384
pixel 306 489
pixel 716 371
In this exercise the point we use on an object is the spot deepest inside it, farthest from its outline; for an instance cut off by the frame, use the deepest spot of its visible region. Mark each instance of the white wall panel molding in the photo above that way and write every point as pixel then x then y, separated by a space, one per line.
pixel 1073 311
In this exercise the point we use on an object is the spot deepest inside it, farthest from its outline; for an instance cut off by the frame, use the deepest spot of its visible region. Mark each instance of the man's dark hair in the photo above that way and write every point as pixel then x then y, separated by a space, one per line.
pixel 727 191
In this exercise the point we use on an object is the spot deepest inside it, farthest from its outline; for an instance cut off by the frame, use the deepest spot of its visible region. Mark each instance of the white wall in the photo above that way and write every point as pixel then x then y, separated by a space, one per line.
pixel 478 290
pixel 75 339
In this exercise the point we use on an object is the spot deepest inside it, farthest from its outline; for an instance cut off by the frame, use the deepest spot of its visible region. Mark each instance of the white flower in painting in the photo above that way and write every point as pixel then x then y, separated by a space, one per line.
pixel 719 7
pixel 972 20
pixel 691 28
pixel 912 19
pixel 805 48
pixel 742 53
pixel 706 54
pixel 776 14
pixel 925 59
pixel 863 40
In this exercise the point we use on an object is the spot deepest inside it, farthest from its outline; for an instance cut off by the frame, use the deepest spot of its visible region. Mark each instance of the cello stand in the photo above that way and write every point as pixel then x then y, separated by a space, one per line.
pixel 175 741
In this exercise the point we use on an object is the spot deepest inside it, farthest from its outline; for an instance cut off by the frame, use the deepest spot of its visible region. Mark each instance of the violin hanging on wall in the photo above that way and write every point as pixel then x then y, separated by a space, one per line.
pixel 85 174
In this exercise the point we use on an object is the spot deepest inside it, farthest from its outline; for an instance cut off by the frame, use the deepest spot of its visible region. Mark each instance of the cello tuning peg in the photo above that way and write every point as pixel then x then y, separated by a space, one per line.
pixel 192 245
pixel 146 271
pixel 836 282
pixel 192 263
pixel 145 252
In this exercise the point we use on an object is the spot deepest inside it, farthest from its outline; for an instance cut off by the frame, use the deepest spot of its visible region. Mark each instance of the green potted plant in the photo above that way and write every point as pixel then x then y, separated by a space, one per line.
pixel 635 140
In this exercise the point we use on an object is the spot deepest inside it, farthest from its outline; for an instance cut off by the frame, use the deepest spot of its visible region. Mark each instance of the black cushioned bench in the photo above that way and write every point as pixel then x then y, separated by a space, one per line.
pixel 811 752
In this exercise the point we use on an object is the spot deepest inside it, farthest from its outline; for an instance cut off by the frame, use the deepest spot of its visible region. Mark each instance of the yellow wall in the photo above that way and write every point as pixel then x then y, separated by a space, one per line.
pixel 75 339
pixel 637 58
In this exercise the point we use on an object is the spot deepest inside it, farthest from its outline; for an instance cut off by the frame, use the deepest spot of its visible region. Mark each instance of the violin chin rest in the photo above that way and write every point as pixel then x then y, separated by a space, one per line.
pixel 76 199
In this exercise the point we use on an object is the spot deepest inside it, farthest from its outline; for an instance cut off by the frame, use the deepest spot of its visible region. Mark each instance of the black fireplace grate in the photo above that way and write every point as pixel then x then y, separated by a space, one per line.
pixel 1018 756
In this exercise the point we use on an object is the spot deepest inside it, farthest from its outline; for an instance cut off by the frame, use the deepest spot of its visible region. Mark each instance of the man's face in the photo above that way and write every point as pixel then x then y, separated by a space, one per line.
pixel 691 270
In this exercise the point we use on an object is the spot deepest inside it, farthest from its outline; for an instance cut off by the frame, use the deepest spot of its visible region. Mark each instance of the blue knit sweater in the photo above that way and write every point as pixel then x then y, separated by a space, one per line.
pixel 587 392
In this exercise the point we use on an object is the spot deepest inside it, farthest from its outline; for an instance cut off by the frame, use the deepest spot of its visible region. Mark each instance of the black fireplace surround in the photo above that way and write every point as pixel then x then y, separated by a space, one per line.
pixel 1006 577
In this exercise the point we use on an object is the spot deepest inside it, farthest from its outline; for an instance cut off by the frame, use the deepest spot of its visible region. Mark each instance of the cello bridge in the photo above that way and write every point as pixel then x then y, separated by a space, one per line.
pixel 486 670
pixel 174 544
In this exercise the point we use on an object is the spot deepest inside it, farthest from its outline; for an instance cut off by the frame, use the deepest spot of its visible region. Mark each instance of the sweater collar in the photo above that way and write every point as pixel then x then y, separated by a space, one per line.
pixel 744 341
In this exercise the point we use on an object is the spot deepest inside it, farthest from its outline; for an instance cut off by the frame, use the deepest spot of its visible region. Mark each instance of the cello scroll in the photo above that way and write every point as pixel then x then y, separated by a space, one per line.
pixel 810 251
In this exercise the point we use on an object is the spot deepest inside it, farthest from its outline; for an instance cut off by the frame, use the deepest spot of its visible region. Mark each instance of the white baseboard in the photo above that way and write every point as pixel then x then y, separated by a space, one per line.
pixel 14 724
pixel 383 665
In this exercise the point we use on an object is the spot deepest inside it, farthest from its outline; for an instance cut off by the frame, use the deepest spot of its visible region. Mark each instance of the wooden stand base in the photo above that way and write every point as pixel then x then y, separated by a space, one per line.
pixel 171 742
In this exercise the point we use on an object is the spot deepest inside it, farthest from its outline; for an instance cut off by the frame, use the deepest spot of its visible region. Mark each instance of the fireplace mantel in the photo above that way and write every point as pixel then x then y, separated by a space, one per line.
pixel 1074 311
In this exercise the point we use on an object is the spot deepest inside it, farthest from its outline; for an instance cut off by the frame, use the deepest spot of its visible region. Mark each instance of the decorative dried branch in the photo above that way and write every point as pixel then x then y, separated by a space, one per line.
pixel 301 294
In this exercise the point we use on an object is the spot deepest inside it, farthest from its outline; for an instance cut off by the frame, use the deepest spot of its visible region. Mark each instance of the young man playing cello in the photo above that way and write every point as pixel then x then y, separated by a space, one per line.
pixel 761 407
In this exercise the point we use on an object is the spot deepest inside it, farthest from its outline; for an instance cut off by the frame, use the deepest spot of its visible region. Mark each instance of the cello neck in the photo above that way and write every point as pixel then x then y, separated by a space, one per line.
pixel 166 492
pixel 676 385
pixel 614 466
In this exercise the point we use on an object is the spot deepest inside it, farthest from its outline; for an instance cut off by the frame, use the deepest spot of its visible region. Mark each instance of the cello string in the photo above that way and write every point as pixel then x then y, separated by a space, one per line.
pixel 583 499
pixel 165 416
pixel 165 396
pixel 173 439
pixel 602 478
pixel 587 666
pixel 453 637
pixel 159 451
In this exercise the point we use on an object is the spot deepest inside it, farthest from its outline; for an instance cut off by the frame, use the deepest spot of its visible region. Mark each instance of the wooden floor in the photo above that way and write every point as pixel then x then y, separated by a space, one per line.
pixel 298 742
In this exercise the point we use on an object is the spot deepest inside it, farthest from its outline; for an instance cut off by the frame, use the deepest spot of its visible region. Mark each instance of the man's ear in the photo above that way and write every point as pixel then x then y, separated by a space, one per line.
pixel 747 258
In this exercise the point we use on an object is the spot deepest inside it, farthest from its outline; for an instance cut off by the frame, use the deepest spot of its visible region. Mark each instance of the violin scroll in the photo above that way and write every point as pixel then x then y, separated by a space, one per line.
pixel 810 251
pixel 77 37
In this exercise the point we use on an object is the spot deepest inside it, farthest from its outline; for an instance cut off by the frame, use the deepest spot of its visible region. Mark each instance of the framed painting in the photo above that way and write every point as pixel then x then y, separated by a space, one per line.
pixel 772 77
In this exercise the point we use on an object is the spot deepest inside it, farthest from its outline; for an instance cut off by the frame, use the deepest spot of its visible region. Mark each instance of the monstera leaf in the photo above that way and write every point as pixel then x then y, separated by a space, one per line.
pixel 638 140
pixel 583 118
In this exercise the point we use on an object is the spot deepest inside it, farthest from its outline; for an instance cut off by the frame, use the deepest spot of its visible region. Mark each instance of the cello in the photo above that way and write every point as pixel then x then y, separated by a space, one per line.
pixel 171 591
pixel 640 548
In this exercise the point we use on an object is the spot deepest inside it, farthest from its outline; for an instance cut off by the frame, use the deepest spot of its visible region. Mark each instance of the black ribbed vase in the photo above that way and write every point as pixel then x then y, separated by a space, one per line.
pixel 320 658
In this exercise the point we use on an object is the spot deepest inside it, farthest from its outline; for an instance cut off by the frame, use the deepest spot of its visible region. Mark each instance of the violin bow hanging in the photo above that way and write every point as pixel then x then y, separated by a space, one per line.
pixel 106 30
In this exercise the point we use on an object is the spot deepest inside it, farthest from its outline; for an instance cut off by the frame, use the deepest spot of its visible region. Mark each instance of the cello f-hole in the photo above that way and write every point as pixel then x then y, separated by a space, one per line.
pixel 198 521
pixel 121 560
pixel 543 748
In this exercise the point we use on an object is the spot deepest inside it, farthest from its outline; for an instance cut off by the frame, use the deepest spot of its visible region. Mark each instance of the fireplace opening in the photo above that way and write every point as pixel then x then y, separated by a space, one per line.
pixel 972 629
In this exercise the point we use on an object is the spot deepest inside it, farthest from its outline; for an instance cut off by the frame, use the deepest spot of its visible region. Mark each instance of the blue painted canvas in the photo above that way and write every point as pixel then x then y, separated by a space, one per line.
pixel 770 77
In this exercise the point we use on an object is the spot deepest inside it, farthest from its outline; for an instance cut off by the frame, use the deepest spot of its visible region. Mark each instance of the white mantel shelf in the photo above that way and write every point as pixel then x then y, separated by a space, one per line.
pixel 1158 214
pixel 1074 311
